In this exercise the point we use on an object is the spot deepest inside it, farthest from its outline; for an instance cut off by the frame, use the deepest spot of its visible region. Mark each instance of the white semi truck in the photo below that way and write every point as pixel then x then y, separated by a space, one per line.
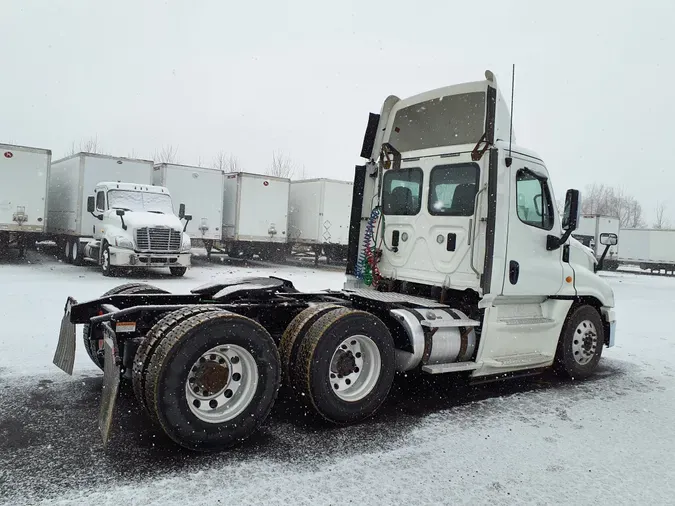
pixel 588 232
pixel 319 214
pixel 649 249
pixel 458 264
pixel 105 210
pixel 24 173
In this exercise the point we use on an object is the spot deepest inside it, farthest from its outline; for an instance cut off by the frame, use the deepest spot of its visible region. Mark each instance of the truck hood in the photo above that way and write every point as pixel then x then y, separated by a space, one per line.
pixel 140 219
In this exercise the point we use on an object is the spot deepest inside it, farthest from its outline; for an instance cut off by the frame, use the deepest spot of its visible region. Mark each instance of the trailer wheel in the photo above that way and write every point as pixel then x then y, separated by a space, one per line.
pixel 295 333
pixel 345 365
pixel 92 346
pixel 106 268
pixel 144 352
pixel 178 271
pixel 213 380
pixel 580 344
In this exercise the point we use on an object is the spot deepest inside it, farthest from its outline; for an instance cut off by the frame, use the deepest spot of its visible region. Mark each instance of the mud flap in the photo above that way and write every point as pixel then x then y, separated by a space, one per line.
pixel 111 381
pixel 64 358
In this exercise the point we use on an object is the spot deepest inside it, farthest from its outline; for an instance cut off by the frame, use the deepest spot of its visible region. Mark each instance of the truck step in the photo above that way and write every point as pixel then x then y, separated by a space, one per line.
pixel 451 367
pixel 440 323
pixel 519 360
pixel 535 320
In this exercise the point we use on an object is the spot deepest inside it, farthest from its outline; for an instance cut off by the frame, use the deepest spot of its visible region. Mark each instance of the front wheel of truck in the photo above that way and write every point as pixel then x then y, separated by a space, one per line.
pixel 580 344
pixel 106 268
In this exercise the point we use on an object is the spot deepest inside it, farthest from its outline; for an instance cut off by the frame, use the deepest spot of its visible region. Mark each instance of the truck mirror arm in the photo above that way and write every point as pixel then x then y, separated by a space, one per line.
pixel 120 213
pixel 553 242
pixel 599 265
pixel 187 217
pixel 99 217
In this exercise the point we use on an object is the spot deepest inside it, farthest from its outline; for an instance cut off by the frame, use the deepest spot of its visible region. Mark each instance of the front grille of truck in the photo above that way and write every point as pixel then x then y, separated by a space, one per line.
pixel 158 239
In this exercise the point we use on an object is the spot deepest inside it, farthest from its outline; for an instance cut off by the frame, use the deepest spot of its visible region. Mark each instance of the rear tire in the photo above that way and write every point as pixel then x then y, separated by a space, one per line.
pixel 144 352
pixel 92 346
pixel 580 344
pixel 65 251
pixel 219 358
pixel 294 334
pixel 177 272
pixel 75 252
pixel 345 365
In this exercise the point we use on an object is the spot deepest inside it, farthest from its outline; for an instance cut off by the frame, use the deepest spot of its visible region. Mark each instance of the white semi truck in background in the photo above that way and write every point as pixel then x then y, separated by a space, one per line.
pixel 104 209
pixel 319 214
pixel 591 227
pixel 458 264
pixel 649 249
pixel 24 173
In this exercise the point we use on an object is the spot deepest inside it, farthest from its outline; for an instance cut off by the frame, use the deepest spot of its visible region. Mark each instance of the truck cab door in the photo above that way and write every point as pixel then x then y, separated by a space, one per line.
pixel 531 269
pixel 100 211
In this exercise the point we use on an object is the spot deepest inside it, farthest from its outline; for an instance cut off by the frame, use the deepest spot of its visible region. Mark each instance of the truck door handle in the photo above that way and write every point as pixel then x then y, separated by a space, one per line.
pixel 394 238
pixel 514 271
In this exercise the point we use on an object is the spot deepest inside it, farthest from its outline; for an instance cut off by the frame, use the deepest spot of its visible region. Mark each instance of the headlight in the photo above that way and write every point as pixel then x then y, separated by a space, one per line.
pixel 124 242
pixel 187 244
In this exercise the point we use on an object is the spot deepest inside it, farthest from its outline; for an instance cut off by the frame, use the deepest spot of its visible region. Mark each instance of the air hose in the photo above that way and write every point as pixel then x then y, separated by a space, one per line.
pixel 368 271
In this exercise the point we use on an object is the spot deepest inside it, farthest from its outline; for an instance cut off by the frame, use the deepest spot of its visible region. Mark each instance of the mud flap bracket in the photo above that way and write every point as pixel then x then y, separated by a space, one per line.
pixel 111 381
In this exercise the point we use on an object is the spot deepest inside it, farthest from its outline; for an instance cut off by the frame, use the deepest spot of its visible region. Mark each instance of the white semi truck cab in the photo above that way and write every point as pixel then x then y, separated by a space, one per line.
pixel 136 226
pixel 473 225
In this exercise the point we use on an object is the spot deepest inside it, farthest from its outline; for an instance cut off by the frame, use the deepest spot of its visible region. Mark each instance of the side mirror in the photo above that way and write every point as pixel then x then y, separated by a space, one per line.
pixel 609 239
pixel 119 212
pixel 91 204
pixel 188 218
pixel 181 211
pixel 572 212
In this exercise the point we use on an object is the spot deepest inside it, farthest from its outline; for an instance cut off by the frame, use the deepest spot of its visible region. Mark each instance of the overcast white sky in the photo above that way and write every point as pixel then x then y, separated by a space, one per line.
pixel 592 78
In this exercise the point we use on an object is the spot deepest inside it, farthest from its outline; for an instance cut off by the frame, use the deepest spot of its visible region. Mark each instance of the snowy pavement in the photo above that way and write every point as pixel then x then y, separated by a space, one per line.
pixel 608 440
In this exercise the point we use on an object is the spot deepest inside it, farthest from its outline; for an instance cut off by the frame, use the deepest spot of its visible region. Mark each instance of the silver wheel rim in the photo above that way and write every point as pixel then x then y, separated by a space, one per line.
pixel 66 253
pixel 221 383
pixel 106 260
pixel 584 342
pixel 355 368
pixel 73 251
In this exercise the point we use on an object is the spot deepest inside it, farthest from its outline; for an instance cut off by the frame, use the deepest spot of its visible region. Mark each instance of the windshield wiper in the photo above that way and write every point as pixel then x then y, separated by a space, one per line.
pixel 156 212
pixel 126 209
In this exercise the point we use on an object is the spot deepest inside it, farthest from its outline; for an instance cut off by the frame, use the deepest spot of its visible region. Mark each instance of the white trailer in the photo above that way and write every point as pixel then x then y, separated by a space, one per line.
pixel 319 215
pixel 591 226
pixel 255 215
pixel 133 227
pixel 23 193
pixel 201 190
pixel 650 249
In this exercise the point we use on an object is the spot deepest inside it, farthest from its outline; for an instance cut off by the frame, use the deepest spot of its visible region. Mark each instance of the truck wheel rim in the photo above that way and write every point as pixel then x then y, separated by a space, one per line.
pixel 66 252
pixel 106 260
pixel 355 368
pixel 221 384
pixel 74 251
pixel 584 342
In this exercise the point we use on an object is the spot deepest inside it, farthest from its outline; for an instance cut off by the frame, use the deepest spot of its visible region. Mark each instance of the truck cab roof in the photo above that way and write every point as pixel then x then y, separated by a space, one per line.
pixel 112 185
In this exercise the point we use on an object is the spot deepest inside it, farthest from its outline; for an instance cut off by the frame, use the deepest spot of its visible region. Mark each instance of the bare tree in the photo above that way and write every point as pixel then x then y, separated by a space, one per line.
pixel 282 165
pixel 226 163
pixel 89 145
pixel 609 201
pixel 661 221
pixel 168 154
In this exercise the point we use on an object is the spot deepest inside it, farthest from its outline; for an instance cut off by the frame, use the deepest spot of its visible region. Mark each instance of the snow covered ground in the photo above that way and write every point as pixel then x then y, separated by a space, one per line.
pixel 609 440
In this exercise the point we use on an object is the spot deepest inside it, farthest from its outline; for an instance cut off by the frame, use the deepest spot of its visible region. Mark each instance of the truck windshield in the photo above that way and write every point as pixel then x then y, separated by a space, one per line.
pixel 140 201
pixel 445 121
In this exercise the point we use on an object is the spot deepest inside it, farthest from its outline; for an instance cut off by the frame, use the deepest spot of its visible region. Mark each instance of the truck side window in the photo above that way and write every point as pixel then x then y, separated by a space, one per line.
pixel 533 200
pixel 452 189
pixel 402 192
pixel 100 201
